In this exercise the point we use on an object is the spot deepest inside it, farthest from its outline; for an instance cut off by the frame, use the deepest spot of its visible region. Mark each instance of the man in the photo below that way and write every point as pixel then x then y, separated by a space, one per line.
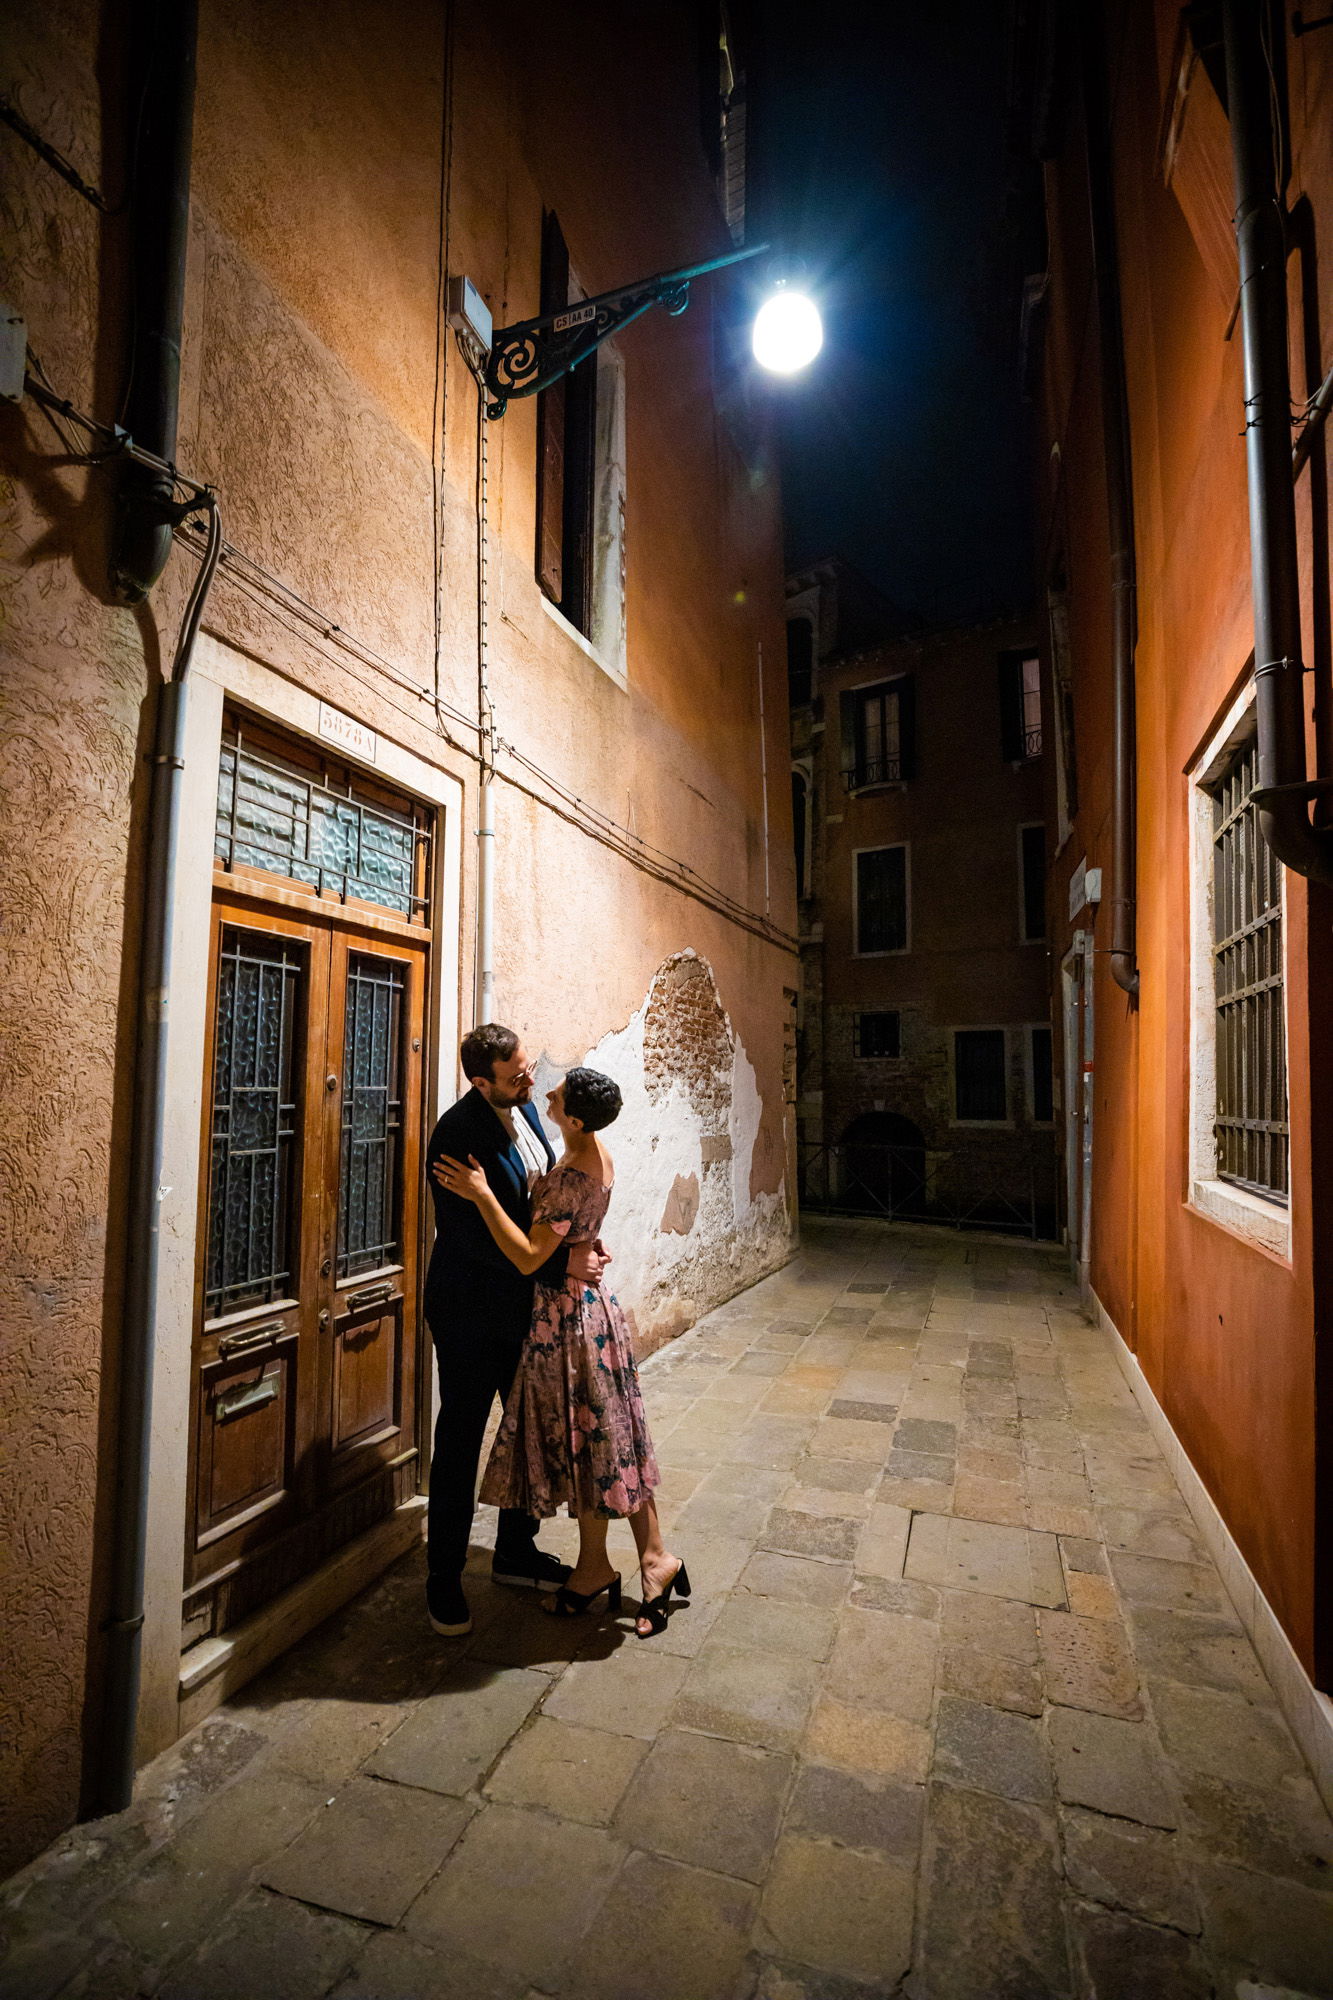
pixel 479 1308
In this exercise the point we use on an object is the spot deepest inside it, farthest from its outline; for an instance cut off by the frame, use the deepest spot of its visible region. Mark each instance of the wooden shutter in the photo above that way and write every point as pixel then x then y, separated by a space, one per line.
pixel 580 483
pixel 551 427
pixel 1196 164
pixel 907 726
pixel 847 736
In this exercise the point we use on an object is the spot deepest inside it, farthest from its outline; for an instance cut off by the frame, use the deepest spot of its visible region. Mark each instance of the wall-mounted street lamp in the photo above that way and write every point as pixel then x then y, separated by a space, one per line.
pixel 788 332
pixel 523 359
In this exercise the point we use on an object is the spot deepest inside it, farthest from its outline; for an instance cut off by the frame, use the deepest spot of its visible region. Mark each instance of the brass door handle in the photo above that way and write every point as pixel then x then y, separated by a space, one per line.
pixel 247 1338
pixel 373 1295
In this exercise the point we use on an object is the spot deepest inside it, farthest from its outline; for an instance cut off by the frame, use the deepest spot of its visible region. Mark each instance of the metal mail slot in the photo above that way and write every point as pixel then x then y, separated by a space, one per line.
pixel 247 1395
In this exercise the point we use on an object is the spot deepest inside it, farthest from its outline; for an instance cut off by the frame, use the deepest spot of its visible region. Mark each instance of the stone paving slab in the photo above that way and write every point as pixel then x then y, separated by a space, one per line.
pixel 958 1707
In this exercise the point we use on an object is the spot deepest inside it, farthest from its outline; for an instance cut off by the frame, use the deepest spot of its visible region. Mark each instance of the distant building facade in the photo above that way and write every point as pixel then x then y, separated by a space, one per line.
pixel 917 809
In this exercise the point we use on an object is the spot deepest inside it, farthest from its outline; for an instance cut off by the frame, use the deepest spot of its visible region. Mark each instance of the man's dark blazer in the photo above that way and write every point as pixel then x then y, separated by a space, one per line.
pixel 472 1289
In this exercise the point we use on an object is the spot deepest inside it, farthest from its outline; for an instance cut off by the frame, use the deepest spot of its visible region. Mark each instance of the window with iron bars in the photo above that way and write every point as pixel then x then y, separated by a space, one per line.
pixel 877 1035
pixel 1251 1123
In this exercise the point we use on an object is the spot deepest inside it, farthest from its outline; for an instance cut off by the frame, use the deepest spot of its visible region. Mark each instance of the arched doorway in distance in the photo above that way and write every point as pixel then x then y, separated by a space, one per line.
pixel 884 1164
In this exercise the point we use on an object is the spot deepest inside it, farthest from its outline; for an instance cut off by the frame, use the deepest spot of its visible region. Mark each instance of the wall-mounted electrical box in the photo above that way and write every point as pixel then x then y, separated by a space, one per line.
pixel 13 354
pixel 469 312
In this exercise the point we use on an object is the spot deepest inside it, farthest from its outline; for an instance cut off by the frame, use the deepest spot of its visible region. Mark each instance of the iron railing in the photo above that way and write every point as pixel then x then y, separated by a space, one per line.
pixel 873 771
pixel 958 1188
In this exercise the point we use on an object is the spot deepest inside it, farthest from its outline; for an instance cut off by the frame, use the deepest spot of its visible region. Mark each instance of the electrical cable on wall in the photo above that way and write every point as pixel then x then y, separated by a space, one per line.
pixel 271 593
pixel 440 395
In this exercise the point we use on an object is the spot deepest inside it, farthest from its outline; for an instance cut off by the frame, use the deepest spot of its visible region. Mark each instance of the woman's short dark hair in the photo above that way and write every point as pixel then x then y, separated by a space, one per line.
pixel 592 1098
pixel 484 1047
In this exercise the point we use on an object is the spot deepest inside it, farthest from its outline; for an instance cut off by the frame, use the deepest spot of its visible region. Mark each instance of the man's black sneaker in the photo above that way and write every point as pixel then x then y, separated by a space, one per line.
pixel 447 1607
pixel 529 1569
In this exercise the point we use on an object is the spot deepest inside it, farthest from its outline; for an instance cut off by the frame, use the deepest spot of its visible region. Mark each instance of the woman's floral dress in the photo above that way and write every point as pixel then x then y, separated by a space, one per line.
pixel 573 1432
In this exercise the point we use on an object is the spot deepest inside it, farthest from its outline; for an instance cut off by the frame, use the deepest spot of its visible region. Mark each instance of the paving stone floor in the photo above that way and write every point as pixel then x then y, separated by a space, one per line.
pixel 959 1709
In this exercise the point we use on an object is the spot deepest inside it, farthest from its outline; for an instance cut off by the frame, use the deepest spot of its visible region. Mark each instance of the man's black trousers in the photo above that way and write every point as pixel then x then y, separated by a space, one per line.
pixel 475 1367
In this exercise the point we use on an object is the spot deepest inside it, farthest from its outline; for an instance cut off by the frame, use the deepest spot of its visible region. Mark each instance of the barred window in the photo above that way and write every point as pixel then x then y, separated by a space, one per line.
pixel 877 1035
pixel 1251 1123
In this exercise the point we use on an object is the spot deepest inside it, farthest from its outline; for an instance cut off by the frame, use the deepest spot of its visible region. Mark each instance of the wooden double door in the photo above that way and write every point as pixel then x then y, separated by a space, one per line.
pixel 305 1409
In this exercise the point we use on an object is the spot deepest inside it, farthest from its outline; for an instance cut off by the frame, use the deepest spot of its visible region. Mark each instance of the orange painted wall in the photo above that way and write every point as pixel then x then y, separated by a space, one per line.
pixel 1226 1332
pixel 338 422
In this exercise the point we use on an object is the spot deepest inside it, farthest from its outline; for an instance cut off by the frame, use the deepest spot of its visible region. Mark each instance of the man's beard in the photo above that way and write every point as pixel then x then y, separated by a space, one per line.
pixel 505 1098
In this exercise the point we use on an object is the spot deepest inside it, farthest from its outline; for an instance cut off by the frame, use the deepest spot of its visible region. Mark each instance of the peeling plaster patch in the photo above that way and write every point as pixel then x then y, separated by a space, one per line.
pixel 683 1226
pixel 682 1205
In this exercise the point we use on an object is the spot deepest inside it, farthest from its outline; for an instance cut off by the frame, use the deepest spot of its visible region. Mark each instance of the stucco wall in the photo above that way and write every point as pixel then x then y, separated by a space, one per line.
pixel 1226 1331
pixel 337 420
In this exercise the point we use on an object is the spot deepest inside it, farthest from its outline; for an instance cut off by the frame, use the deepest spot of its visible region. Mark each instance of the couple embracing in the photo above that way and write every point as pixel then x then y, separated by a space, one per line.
pixel 517 1308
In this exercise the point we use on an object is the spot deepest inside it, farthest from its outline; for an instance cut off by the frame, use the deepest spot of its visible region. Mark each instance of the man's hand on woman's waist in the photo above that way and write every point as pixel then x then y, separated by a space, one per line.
pixel 587 1261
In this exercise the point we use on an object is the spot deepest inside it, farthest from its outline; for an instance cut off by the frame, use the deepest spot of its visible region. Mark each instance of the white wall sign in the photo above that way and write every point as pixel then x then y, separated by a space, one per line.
pixel 1077 890
pixel 346 731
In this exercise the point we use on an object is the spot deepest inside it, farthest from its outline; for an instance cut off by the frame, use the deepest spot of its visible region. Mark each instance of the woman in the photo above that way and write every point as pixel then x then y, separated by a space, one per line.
pixel 574 1432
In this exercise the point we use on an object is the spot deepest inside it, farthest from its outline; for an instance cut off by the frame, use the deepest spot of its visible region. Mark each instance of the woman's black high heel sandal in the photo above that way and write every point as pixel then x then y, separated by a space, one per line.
pixel 654 1609
pixel 569 1603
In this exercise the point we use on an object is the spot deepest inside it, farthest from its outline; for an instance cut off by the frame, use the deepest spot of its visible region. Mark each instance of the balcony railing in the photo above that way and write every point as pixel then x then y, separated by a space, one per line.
pixel 872 771
pixel 905 1184
pixel 1032 742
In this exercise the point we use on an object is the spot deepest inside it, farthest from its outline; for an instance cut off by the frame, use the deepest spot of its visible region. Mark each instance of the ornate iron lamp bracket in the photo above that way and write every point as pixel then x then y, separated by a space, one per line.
pixel 527 357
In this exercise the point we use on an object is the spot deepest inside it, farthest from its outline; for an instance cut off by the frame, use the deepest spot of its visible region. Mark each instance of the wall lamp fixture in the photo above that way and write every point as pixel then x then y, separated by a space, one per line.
pixel 524 359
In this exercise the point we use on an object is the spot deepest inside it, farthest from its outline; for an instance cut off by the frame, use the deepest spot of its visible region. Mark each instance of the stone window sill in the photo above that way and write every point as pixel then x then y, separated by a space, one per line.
pixel 1249 1215
pixel 613 673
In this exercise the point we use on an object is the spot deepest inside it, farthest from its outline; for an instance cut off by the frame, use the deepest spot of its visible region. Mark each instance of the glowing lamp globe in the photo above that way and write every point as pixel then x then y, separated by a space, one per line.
pixel 788 333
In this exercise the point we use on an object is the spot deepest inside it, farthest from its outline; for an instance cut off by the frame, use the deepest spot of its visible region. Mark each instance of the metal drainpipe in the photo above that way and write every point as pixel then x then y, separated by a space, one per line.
pixel 140 1328
pixel 1119 508
pixel 148 512
pixel 484 984
pixel 1283 792
pixel 165 72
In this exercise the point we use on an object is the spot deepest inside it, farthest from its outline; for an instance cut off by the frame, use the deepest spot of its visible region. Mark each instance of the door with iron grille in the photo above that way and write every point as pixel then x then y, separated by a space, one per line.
pixel 305 1421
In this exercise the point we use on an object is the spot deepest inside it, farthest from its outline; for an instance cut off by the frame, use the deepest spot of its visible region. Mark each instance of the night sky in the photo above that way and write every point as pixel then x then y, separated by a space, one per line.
pixel 883 162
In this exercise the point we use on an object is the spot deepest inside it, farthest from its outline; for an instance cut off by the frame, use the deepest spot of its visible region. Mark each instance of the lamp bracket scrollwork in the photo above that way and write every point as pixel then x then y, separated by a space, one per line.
pixel 529 356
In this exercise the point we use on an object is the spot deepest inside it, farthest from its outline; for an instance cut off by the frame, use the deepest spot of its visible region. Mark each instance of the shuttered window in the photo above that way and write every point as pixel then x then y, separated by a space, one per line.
pixel 580 555
pixel 881 899
pixel 1042 1103
pixel 981 1086
pixel 551 427
pixel 566 446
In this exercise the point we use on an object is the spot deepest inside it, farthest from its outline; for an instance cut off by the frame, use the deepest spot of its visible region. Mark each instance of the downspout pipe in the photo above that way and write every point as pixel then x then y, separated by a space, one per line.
pixel 484 985
pixel 1119 509
pixel 1284 792
pixel 140 1322
pixel 149 511
pixel 163 73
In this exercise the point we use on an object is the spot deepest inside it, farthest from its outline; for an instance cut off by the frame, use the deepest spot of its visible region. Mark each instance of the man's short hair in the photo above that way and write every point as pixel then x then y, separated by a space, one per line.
pixel 484 1047
pixel 592 1098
